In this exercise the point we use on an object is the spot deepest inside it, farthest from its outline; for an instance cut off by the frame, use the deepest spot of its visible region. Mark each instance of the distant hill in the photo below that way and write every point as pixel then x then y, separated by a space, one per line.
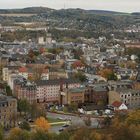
pixel 136 13
pixel 79 19
pixel 28 10
pixel 38 10
pixel 104 12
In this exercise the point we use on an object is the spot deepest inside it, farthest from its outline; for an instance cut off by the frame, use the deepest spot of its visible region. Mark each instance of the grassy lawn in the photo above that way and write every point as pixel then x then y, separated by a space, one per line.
pixel 58 124
pixel 52 120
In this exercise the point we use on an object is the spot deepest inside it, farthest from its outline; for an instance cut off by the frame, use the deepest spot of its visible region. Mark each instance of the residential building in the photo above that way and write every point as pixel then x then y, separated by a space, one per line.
pixel 48 91
pixel 8 111
pixel 130 97
pixel 119 106
pixel 97 94
pixel 6 71
pixel 25 90
pixel 73 95
pixel 57 74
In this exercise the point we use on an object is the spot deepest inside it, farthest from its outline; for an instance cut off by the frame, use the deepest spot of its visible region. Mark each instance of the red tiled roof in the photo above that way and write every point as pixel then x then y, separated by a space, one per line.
pixel 116 104
pixel 78 64
pixel 22 69
pixel 45 70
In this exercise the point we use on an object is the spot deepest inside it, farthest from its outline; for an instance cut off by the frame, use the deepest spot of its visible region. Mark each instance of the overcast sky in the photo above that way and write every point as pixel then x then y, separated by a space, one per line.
pixel 115 5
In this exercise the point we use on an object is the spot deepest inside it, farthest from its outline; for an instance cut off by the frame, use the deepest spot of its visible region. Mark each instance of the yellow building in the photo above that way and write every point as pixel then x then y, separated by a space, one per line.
pixel 73 95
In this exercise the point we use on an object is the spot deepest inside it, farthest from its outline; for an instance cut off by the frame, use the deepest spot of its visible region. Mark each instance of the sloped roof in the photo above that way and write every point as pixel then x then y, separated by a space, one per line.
pixel 23 69
pixel 116 104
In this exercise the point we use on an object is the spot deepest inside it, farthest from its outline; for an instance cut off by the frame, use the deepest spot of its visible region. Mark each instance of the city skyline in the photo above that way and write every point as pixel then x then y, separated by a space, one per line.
pixel 111 5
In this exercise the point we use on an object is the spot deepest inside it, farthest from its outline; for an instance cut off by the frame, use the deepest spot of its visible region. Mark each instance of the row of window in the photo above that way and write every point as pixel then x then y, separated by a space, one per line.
pixel 129 95
pixel 76 97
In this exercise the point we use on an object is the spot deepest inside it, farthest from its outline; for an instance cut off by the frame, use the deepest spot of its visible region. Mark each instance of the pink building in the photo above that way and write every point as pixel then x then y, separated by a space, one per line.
pixel 48 91
pixel 25 90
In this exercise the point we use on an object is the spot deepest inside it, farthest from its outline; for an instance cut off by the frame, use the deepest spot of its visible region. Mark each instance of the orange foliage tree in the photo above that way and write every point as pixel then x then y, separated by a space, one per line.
pixel 108 74
pixel 42 123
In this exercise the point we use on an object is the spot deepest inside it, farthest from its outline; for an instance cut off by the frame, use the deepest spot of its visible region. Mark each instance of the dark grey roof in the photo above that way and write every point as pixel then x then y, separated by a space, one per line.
pixel 25 85
pixel 5 99
pixel 99 89
pixel 56 82
pixel 127 91
pixel 12 67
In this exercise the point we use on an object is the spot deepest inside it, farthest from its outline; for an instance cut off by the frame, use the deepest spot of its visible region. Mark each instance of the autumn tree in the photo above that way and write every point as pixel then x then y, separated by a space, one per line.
pixel 37 110
pixel 123 132
pixel 55 50
pixel 78 64
pixel 42 123
pixel 133 118
pixel 18 134
pixel 97 136
pixel 108 74
pixel 31 54
pixel 41 50
pixel 82 134
pixel 37 73
pixel 1 133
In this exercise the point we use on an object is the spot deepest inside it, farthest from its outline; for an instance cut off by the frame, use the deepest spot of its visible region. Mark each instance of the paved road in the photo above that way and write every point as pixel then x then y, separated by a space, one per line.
pixel 75 121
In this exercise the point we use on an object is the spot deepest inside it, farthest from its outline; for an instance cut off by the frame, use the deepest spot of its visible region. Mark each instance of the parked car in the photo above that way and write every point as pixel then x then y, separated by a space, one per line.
pixel 30 120
pixel 65 125
pixel 61 129
pixel 60 118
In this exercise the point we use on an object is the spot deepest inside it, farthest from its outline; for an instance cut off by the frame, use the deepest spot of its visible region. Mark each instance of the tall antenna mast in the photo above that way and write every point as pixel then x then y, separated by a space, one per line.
pixel 64 5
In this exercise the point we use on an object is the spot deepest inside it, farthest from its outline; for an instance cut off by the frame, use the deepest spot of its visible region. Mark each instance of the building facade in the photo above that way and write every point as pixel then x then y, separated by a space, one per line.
pixel 130 97
pixel 97 95
pixel 8 111
pixel 73 95
pixel 25 90
pixel 48 91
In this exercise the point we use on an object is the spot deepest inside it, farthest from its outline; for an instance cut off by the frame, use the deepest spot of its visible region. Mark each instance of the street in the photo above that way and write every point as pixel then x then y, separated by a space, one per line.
pixel 75 121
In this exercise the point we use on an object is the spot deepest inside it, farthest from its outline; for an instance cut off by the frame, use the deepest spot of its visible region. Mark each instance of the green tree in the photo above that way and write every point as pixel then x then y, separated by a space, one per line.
pixel 37 110
pixel 1 133
pixel 64 136
pixel 82 134
pixel 65 109
pixel 53 136
pixel 112 76
pixel 108 74
pixel 25 125
pixel 8 91
pixel 23 106
pixel 73 107
pixel 80 76
pixel 39 135
pixel 107 121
